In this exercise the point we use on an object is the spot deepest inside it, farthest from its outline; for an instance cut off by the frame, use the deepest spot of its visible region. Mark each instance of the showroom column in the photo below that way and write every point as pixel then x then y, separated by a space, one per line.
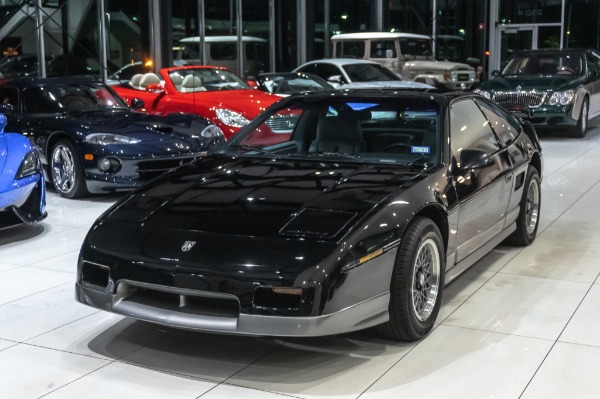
pixel 41 48
pixel 103 39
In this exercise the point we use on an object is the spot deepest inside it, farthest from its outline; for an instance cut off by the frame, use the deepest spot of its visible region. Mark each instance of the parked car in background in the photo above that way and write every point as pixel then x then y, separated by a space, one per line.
pixel 407 54
pixel 344 73
pixel 357 216
pixel 223 51
pixel 91 142
pixel 22 186
pixel 286 83
pixel 127 71
pixel 212 92
pixel 550 88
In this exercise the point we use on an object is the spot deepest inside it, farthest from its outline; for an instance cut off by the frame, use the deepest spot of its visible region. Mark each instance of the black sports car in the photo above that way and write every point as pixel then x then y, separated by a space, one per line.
pixel 90 141
pixel 355 216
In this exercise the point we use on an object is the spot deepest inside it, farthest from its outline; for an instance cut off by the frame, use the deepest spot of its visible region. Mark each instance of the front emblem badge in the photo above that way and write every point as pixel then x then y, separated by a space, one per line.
pixel 188 245
pixel 519 88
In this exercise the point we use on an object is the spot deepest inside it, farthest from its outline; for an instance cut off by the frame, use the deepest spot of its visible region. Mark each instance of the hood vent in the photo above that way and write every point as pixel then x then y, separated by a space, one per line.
pixel 318 223
pixel 162 129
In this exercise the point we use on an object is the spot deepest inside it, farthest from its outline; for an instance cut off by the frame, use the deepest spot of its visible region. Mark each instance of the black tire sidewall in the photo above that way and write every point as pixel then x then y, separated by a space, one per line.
pixel 528 238
pixel 403 273
pixel 79 188
pixel 579 131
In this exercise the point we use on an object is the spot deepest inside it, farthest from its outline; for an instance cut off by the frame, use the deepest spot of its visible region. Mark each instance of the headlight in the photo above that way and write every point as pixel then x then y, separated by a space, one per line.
pixel 212 131
pixel 231 118
pixel 562 97
pixel 483 93
pixel 29 166
pixel 107 138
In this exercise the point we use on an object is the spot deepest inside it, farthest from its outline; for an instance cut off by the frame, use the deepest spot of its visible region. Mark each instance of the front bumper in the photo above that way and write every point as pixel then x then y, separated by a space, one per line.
pixel 545 115
pixel 370 312
pixel 24 203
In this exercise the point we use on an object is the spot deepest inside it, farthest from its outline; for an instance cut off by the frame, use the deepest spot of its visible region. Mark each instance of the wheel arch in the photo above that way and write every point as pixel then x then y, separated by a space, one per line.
pixel 536 162
pixel 438 215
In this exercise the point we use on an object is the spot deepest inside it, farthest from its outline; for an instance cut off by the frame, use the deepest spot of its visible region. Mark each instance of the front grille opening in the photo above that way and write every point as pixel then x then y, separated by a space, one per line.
pixel 190 304
pixel 95 274
pixel 264 297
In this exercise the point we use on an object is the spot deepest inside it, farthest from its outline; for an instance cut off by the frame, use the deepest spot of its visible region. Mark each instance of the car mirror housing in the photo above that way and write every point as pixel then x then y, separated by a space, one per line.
pixel 154 88
pixel 336 79
pixel 136 103
pixel 475 159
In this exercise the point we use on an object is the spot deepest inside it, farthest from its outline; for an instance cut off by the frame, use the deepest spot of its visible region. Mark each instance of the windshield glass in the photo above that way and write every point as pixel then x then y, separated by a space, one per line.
pixel 369 73
pixel 70 98
pixel 381 131
pixel 545 64
pixel 410 46
pixel 206 79
pixel 292 83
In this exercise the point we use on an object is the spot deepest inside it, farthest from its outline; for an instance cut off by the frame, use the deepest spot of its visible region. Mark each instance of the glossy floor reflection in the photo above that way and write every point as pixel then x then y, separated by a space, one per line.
pixel 522 323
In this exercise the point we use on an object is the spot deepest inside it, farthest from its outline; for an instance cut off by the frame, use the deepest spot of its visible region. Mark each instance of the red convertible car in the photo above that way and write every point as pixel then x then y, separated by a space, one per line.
pixel 212 92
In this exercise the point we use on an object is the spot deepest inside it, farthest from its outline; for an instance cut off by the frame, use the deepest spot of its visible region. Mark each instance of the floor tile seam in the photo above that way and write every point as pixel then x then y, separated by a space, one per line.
pixel 74 272
pixel 98 357
pixel 572 160
pixel 75 380
pixel 555 342
pixel 578 344
pixel 12 267
pixel 12 341
pixel 35 293
pixel 56 256
pixel 94 312
pixel 275 348
pixel 499 332
pixel 251 388
pixel 545 278
pixel 396 362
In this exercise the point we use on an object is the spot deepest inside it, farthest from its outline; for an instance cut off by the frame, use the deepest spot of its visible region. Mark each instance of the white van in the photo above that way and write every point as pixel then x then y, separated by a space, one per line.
pixel 222 51
pixel 407 54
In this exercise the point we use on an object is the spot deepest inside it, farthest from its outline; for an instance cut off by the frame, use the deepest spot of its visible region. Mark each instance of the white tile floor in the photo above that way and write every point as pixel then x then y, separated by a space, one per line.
pixel 522 323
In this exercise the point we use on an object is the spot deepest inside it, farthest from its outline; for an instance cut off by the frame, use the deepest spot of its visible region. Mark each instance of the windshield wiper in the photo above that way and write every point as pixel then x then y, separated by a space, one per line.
pixel 252 148
pixel 327 154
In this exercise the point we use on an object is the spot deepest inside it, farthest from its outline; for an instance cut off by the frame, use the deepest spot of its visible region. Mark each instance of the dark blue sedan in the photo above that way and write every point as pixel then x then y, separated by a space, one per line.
pixel 90 141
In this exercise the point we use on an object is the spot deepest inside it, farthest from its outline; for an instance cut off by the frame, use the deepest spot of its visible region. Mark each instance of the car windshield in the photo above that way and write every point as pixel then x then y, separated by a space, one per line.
pixel 380 131
pixel 206 79
pixel 292 83
pixel 544 64
pixel 369 73
pixel 70 98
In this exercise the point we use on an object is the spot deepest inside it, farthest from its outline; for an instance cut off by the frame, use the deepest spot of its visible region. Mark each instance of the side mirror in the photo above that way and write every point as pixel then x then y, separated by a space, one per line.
pixel 336 79
pixel 389 53
pixel 3 122
pixel 154 88
pixel 137 104
pixel 495 73
pixel 475 159
pixel 252 82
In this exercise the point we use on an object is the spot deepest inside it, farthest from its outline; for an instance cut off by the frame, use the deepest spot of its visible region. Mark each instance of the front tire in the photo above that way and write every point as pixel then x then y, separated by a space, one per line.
pixel 67 170
pixel 580 129
pixel 529 214
pixel 417 282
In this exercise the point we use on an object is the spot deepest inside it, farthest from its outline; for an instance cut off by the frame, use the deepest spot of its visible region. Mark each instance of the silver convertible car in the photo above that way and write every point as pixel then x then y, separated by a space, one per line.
pixel 328 213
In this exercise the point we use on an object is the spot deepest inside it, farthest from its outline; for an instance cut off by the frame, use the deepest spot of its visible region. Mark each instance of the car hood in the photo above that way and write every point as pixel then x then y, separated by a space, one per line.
pixel 247 102
pixel 126 122
pixel 526 83
pixel 439 65
pixel 263 197
pixel 392 84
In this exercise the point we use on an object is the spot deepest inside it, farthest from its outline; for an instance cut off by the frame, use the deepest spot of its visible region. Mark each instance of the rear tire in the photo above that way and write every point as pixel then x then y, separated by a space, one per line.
pixel 580 130
pixel 529 213
pixel 66 170
pixel 417 282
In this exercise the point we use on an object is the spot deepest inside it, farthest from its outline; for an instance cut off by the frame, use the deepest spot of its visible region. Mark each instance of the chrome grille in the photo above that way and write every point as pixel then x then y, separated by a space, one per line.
pixel 282 124
pixel 533 99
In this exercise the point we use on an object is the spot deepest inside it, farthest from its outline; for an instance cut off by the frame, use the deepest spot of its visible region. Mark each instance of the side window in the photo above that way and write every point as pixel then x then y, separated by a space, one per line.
pixel 379 48
pixel 37 101
pixel 9 95
pixel 325 71
pixel 469 129
pixel 350 49
pixel 505 125
pixel 223 51
pixel 593 62
pixel 311 68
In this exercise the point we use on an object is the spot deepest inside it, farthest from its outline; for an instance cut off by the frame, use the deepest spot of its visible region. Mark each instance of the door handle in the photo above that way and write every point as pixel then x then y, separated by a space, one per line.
pixel 508 178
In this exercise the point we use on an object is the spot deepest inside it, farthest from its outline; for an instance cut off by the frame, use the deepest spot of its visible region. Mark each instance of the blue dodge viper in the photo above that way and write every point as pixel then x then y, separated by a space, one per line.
pixel 22 187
